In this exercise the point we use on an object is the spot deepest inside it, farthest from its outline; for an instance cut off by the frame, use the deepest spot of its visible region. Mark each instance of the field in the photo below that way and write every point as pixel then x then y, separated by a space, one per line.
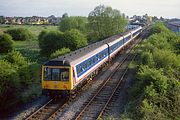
pixel 29 49
pixel 35 29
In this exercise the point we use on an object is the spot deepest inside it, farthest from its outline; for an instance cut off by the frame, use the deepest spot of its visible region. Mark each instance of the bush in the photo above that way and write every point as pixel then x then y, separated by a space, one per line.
pixel 158 28
pixel 51 41
pixel 158 77
pixel 166 59
pixel 17 75
pixel 6 43
pixel 69 23
pixel 20 34
pixel 10 83
pixel 75 39
pixel 31 92
pixel 28 72
pixel 146 58
pixel 16 59
pixel 60 52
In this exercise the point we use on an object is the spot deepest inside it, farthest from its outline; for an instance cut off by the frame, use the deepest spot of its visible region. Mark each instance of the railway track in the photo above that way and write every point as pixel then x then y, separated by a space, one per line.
pixel 97 104
pixel 50 110
pixel 47 110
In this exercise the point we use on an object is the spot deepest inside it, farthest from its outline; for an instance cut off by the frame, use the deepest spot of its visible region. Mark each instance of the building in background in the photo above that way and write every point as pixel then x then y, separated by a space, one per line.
pixel 174 26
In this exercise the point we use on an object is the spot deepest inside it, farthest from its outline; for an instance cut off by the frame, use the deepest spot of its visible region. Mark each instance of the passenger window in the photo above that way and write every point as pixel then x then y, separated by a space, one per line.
pixel 78 69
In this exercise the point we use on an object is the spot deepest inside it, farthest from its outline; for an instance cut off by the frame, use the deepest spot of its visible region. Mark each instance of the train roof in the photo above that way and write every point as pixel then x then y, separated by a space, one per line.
pixel 66 59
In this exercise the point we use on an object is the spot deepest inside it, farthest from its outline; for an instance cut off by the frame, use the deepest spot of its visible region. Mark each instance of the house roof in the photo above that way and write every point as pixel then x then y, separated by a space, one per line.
pixel 177 23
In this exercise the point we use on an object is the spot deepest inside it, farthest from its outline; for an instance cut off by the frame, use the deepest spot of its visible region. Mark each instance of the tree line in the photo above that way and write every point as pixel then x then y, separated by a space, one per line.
pixel 77 32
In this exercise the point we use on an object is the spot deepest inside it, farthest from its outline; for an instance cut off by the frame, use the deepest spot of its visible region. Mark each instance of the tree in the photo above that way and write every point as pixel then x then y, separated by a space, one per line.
pixel 166 59
pixel 158 28
pixel 60 52
pixel 50 41
pixel 2 20
pixel 104 22
pixel 10 82
pixel 20 34
pixel 65 15
pixel 69 23
pixel 6 43
pixel 75 39
pixel 27 71
pixel 16 58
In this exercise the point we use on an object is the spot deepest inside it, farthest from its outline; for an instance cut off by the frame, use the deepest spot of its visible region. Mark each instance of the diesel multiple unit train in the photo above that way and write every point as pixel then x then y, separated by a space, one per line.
pixel 66 73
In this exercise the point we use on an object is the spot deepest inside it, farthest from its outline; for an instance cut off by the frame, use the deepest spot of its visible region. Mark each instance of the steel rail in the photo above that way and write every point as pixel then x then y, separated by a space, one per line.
pixel 118 85
pixel 34 113
pixel 104 84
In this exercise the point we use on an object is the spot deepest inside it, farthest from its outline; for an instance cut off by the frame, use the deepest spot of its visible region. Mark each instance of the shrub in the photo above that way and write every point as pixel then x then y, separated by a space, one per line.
pixel 166 59
pixel 31 92
pixel 10 82
pixel 60 52
pixel 6 43
pixel 158 28
pixel 69 23
pixel 146 58
pixel 157 90
pixel 16 58
pixel 75 39
pixel 51 41
pixel 20 34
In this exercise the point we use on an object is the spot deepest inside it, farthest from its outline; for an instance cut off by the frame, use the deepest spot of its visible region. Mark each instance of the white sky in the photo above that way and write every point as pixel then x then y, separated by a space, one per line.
pixel 164 8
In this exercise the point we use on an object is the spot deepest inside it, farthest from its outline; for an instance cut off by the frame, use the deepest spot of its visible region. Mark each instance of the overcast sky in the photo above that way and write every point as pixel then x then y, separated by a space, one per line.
pixel 164 8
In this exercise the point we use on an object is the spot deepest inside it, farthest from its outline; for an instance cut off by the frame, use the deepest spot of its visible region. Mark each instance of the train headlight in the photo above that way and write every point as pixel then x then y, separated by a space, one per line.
pixel 55 86
pixel 46 86
pixel 65 86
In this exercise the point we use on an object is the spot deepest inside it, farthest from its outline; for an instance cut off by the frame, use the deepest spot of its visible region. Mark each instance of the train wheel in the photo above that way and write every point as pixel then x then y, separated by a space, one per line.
pixel 73 94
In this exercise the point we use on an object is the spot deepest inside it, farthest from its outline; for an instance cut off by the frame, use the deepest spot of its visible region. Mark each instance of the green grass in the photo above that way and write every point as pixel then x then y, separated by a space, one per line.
pixel 29 49
pixel 26 44
pixel 35 29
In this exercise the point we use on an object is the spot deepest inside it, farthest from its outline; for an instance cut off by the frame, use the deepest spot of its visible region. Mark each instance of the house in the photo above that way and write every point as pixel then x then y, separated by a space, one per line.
pixel 174 26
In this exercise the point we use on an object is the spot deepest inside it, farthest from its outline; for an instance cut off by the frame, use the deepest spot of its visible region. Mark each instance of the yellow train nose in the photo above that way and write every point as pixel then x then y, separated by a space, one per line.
pixel 46 86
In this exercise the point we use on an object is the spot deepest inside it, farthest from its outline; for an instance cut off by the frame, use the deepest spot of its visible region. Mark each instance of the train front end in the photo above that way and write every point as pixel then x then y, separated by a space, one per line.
pixel 56 78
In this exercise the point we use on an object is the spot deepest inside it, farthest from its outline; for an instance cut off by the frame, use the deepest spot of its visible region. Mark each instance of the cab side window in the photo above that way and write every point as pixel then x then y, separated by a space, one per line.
pixel 64 74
